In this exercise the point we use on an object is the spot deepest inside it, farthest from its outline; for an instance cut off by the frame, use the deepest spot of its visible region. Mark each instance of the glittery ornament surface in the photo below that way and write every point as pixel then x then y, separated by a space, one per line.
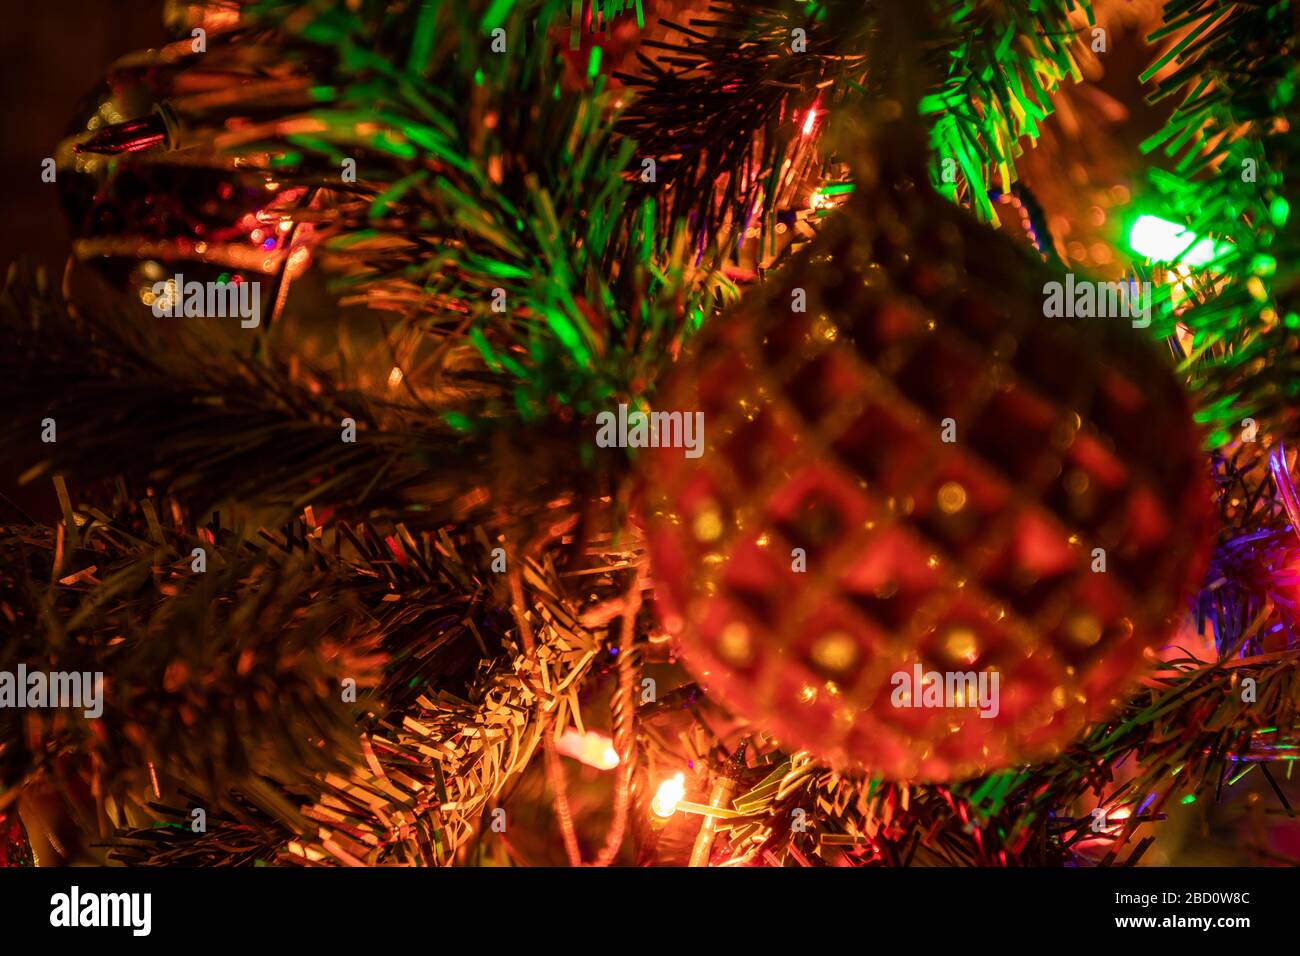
pixel 15 850
pixel 920 473
pixel 142 211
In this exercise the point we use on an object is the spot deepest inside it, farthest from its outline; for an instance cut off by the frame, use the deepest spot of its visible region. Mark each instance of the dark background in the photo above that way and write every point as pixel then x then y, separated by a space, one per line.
pixel 52 53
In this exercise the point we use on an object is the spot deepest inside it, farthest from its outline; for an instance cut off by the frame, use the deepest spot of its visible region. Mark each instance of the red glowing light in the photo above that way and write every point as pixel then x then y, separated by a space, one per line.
pixel 811 121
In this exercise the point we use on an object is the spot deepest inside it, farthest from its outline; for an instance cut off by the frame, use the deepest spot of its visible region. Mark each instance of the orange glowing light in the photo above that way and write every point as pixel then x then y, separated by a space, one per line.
pixel 593 748
pixel 1111 825
pixel 1115 819
pixel 668 795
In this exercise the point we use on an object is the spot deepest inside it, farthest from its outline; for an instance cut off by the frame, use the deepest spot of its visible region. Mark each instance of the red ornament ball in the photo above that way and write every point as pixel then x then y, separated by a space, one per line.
pixel 932 532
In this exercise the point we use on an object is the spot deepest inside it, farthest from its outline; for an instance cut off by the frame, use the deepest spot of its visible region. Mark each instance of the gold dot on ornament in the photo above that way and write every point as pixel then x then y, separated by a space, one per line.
pixel 807 694
pixel 1004 346
pixel 1064 432
pixel 962 644
pixel 734 644
pixel 1076 482
pixel 824 328
pixel 708 525
pixel 1058 697
pixel 952 498
pixel 1083 630
pixel 835 652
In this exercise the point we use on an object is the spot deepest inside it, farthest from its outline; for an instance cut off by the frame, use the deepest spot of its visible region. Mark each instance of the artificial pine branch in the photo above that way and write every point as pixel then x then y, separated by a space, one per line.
pixel 204 672
pixel 221 427
pixel 1235 145
pixel 465 218
pixel 727 103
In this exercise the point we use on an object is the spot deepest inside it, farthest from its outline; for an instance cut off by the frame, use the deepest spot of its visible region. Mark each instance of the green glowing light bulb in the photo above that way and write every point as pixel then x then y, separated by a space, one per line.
pixel 1163 241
